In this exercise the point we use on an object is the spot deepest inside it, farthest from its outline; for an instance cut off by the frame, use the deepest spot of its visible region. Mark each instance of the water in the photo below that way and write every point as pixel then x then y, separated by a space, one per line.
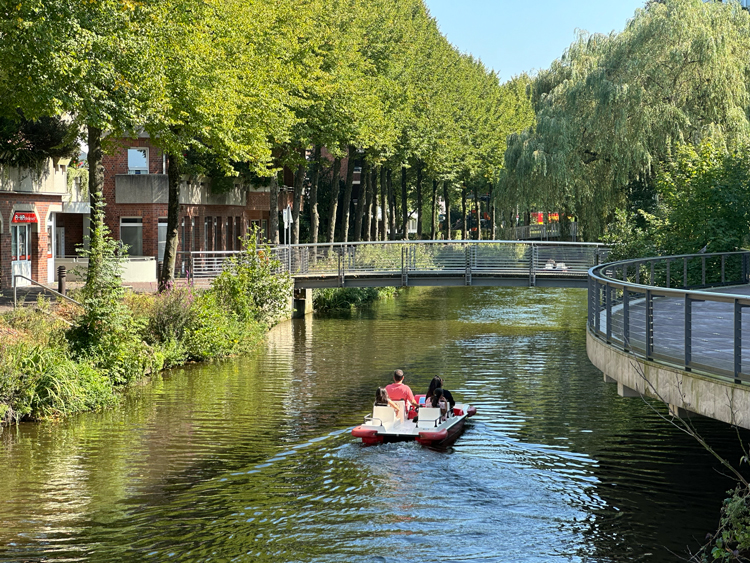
pixel 251 459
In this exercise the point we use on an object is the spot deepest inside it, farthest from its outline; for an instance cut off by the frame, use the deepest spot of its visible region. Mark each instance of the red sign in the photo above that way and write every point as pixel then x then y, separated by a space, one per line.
pixel 24 217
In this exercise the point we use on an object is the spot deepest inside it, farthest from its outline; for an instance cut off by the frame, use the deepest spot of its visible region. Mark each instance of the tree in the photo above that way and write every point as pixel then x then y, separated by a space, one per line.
pixel 613 107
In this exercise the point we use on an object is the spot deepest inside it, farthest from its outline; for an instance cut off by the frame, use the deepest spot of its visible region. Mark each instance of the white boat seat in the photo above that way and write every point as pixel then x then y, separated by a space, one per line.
pixel 428 417
pixel 385 415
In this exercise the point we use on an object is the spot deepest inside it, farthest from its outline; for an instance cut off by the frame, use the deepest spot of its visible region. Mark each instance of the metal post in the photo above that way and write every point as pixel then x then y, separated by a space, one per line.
pixel 597 311
pixel 608 304
pixel 723 263
pixel 341 268
pixel 688 332
pixel 703 270
pixel 467 264
pixel 15 292
pixel 625 319
pixel 669 273
pixel 737 340
pixel 638 272
pixel 649 325
pixel 532 270
pixel 684 273
pixel 62 277
pixel 625 273
pixel 651 281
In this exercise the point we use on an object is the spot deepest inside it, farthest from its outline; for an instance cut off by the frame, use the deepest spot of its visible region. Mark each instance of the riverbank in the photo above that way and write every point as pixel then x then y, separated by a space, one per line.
pixel 57 360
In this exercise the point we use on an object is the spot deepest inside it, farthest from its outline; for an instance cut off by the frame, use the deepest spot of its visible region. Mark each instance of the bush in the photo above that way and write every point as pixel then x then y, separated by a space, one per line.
pixel 342 298
pixel 250 286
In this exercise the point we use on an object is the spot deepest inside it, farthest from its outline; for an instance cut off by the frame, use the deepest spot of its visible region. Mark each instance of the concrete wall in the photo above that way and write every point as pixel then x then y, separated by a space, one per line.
pixel 722 400
pixel 51 179
pixel 135 270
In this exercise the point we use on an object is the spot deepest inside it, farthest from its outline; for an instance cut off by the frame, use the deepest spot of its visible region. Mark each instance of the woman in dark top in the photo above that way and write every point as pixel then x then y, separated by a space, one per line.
pixel 438 401
pixel 437 383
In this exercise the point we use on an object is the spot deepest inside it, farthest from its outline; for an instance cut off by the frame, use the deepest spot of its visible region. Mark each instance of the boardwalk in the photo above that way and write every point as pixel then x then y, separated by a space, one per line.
pixel 712 331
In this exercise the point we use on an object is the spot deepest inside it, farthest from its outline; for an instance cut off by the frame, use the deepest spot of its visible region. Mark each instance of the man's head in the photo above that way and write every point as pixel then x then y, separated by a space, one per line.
pixel 398 376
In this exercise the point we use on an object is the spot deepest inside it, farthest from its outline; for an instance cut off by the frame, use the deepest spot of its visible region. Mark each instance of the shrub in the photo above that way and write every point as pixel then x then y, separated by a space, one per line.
pixel 250 286
pixel 338 298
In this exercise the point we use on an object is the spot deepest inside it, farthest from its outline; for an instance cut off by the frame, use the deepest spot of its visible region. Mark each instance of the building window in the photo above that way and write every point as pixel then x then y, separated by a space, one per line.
pixel 207 231
pixel 184 235
pixel 228 231
pixel 131 235
pixel 264 229
pixel 162 238
pixel 193 234
pixel 138 161
pixel 237 233
pixel 217 234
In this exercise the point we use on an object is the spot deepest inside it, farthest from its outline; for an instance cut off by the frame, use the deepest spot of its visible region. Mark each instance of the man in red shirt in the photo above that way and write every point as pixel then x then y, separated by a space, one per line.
pixel 398 390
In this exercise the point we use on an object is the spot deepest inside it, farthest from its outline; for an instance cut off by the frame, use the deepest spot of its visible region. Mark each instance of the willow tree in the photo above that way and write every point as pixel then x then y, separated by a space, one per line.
pixel 613 107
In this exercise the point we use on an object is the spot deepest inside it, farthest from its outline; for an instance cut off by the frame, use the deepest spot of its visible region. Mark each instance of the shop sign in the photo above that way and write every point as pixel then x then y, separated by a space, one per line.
pixel 24 217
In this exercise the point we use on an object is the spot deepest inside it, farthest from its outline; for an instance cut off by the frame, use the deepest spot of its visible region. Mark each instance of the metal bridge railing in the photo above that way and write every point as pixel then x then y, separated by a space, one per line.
pixel 407 258
pixel 668 309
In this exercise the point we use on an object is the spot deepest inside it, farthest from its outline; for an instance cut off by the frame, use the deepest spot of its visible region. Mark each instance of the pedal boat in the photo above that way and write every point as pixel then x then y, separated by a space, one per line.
pixel 428 429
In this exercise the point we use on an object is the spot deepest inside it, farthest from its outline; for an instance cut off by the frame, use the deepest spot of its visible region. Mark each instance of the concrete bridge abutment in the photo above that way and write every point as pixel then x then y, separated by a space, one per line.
pixel 685 393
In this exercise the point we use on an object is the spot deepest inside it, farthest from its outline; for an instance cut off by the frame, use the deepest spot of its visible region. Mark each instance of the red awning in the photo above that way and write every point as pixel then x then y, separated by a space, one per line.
pixel 24 217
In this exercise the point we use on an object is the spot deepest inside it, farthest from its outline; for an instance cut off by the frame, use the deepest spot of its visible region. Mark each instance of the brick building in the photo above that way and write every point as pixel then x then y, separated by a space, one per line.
pixel 36 211
pixel 44 222
pixel 136 191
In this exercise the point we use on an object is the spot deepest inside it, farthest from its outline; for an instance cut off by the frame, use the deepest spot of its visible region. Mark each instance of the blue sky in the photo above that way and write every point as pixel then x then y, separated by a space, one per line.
pixel 521 36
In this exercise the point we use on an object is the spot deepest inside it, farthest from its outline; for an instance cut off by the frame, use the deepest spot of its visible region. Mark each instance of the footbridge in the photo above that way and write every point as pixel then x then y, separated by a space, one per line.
pixel 675 329
pixel 426 263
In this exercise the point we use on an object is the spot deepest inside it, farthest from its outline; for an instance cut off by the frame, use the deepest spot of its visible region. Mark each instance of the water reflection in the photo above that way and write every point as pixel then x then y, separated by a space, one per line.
pixel 251 459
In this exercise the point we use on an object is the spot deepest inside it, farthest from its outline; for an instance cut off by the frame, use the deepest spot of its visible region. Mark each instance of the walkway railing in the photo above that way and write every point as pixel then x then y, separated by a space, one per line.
pixel 405 258
pixel 672 310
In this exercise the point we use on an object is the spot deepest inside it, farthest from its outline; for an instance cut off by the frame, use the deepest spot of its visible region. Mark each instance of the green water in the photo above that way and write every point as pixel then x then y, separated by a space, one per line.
pixel 251 459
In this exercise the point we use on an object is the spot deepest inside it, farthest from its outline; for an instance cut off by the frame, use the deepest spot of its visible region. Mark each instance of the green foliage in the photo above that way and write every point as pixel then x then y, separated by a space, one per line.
pixel 345 298
pixel 703 200
pixel 29 143
pixel 249 286
pixel 614 107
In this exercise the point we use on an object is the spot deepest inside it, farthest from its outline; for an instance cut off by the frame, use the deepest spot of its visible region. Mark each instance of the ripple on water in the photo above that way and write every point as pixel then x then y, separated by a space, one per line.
pixel 251 459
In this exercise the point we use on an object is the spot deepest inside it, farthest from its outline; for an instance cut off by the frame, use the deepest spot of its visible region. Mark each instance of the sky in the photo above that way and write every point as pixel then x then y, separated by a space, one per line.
pixel 512 37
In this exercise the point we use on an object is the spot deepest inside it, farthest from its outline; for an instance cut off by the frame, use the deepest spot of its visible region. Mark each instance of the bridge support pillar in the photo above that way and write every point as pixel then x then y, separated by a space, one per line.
pixel 302 304
pixel 624 391
pixel 608 379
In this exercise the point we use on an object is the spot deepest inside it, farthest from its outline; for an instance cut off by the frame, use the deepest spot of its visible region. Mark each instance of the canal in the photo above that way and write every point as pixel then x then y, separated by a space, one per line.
pixel 251 459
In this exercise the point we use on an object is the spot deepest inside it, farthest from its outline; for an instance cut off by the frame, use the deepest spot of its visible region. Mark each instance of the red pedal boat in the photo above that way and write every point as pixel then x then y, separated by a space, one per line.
pixel 429 428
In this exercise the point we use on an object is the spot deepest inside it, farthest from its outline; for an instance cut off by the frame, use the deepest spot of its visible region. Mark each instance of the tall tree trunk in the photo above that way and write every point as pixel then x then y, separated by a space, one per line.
pixel 419 199
pixel 391 206
pixel 174 175
pixel 96 201
pixel 364 179
pixel 433 217
pixel 314 216
pixel 299 181
pixel 493 218
pixel 384 203
pixel 374 210
pixel 463 212
pixel 371 187
pixel 334 201
pixel 346 204
pixel 447 210
pixel 510 225
pixel 404 209
pixel 273 219
pixel 565 233
pixel 478 212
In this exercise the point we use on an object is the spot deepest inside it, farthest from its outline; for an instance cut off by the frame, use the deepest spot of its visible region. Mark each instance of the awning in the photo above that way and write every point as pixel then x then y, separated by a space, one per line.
pixel 24 217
